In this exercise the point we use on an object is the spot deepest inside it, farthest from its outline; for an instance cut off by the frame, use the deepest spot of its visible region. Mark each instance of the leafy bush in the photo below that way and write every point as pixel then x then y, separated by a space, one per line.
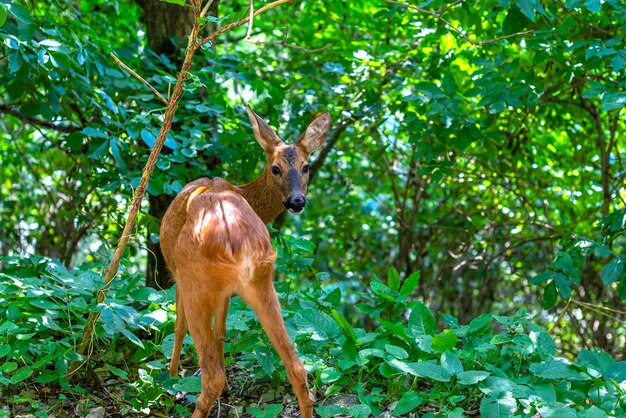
pixel 394 359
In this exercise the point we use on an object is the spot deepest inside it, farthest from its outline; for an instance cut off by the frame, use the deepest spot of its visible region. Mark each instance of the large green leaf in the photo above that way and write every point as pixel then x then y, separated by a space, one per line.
pixel 407 403
pixel 427 369
pixel 321 326
pixel 498 407
pixel 421 321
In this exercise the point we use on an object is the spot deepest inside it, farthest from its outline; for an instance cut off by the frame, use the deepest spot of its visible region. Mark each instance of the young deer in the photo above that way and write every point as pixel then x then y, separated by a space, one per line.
pixel 215 243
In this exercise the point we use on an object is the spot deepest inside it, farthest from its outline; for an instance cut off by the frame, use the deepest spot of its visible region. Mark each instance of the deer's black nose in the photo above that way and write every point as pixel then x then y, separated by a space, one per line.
pixel 295 203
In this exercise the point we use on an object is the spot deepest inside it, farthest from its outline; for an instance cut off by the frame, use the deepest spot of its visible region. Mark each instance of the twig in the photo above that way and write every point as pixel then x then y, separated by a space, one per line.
pixel 5 108
pixel 206 8
pixel 284 43
pixel 592 306
pixel 249 33
pixel 438 16
pixel 579 20
pixel 239 23
pixel 140 78
pixel 555 326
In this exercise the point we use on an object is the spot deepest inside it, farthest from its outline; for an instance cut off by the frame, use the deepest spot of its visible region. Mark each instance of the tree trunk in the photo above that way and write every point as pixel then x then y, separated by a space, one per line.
pixel 165 22
pixel 168 26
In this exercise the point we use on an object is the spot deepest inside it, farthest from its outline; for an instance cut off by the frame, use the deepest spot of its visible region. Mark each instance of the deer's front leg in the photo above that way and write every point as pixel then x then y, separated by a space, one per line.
pixel 261 296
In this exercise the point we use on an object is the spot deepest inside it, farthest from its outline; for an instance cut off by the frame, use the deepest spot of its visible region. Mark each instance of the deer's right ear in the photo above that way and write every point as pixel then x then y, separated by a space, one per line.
pixel 262 132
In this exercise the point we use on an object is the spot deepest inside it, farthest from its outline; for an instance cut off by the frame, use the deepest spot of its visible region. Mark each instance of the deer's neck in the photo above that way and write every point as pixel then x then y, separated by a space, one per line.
pixel 264 200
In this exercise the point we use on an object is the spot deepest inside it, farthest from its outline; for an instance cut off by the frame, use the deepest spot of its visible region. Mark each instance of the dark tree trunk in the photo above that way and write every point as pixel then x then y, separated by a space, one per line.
pixel 168 26
pixel 165 22
pixel 157 274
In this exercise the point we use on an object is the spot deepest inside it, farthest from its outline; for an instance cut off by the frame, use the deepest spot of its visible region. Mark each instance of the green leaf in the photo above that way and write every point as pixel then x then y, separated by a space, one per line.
pixel 329 411
pixel 515 21
pixel 528 7
pixel 21 374
pixel 322 326
pixel 111 321
pixel 617 372
pixel 445 340
pixel 599 360
pixel 359 411
pixel 612 271
pixel 594 6
pixel 471 377
pixel 613 100
pixel 493 407
pixel 132 337
pixel 550 296
pixel 148 138
pixel 382 290
pixel 594 412
pixel 426 369
pixel 191 384
pixel 9 366
pixel 329 375
pixel 179 2
pixel 118 372
pixel 410 284
pixel 421 321
pixel 94 132
pixel 4 350
pixel 555 369
pixel 145 377
pixel 3 15
pixel 450 361
pixel 393 279
pixel 602 251
pixel 562 285
pixel 347 330
pixel 21 14
pixel 407 403
pixel 167 346
pixel 480 323
pixel 542 277
pixel 617 63
pixel 397 352
pixel 266 359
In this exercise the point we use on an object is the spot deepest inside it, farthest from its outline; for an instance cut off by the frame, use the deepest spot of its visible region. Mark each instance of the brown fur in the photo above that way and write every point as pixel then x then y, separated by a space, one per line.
pixel 214 240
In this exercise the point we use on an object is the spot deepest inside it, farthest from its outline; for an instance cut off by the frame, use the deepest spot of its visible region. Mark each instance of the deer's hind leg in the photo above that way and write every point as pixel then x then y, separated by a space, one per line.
pixel 262 298
pixel 220 334
pixel 202 303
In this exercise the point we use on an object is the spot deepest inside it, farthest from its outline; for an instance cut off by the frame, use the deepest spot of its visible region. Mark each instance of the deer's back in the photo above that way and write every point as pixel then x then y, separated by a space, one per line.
pixel 209 222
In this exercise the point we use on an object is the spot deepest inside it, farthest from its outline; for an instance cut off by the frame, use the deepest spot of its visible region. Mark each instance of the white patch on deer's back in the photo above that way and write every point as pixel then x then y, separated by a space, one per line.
pixel 247 269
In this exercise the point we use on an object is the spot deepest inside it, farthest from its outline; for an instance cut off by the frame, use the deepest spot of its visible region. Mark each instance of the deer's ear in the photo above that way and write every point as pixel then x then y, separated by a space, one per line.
pixel 263 133
pixel 315 134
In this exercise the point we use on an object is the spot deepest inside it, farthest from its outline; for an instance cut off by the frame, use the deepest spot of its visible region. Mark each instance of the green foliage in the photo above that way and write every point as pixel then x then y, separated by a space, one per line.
pixel 500 365
pixel 564 273
pixel 473 154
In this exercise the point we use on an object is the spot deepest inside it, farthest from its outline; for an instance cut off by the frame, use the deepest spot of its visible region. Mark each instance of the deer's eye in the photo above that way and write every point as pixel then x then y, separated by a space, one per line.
pixel 275 170
pixel 305 169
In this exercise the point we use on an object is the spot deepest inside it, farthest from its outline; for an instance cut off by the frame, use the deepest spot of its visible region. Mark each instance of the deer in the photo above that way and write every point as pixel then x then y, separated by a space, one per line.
pixel 215 243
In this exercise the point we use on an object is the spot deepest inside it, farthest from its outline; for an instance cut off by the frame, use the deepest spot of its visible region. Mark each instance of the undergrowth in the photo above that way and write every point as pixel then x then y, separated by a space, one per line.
pixel 401 365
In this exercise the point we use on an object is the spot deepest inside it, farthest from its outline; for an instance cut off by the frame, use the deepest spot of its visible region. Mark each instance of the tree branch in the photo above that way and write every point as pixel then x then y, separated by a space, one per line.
pixel 140 78
pixel 439 16
pixel 7 109
pixel 238 23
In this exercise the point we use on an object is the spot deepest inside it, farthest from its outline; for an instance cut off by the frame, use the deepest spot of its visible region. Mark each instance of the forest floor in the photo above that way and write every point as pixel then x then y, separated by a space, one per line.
pixel 107 399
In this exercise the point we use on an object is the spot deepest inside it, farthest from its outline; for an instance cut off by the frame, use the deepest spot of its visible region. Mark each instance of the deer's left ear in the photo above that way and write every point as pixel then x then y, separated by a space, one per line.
pixel 315 134
pixel 263 133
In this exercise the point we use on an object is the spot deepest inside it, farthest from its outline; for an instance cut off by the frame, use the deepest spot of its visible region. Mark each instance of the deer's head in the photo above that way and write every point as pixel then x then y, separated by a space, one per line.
pixel 287 168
